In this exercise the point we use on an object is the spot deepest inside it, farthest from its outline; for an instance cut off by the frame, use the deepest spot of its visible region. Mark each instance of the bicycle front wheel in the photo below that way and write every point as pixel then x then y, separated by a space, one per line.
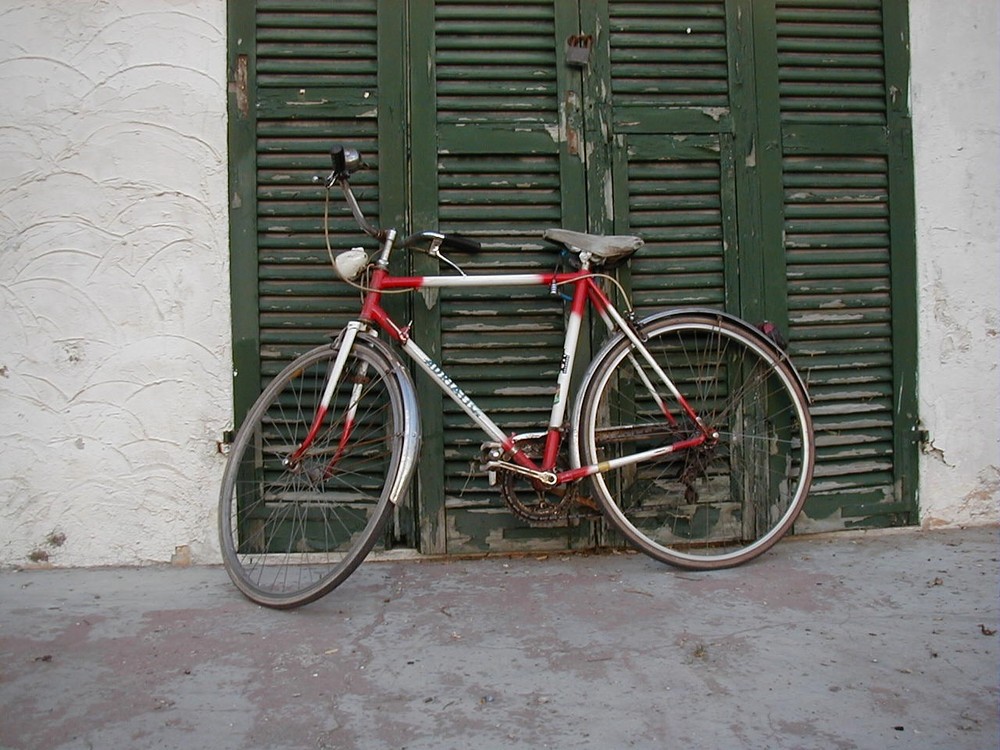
pixel 293 527
pixel 719 504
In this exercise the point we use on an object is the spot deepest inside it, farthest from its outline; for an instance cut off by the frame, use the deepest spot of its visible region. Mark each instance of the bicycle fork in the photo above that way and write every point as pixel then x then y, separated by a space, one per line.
pixel 346 343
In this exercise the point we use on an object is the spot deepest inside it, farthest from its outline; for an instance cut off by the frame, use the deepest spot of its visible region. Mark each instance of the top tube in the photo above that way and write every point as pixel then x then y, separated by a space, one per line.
pixel 501 280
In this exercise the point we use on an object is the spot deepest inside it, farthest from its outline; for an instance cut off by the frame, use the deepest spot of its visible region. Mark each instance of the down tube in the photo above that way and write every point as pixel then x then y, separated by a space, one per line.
pixel 455 393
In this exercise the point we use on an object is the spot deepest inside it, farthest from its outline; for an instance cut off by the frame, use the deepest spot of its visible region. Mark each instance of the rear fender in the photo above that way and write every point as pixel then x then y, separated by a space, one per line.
pixel 707 312
pixel 699 314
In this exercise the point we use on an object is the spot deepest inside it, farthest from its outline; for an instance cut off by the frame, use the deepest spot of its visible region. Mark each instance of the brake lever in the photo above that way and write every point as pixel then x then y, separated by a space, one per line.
pixel 329 182
pixel 435 251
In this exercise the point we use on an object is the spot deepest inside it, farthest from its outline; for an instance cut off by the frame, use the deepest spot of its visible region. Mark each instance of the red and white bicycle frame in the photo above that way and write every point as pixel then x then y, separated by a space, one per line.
pixel 585 289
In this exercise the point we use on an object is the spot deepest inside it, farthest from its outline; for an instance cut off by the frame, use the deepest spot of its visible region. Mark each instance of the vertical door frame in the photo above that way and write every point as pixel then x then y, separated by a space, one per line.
pixel 243 270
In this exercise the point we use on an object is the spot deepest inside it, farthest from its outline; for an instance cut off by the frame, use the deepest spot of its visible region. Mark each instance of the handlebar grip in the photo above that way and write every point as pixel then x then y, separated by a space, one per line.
pixel 458 242
pixel 452 241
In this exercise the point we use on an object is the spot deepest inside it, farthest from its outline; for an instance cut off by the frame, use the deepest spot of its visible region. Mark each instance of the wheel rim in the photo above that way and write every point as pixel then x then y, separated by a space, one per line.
pixel 292 531
pixel 718 505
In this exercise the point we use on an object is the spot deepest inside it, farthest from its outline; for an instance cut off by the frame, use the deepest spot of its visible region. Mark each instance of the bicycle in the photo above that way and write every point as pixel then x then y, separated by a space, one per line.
pixel 691 426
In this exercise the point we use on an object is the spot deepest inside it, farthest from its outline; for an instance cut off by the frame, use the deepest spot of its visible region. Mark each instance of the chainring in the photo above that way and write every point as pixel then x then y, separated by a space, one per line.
pixel 542 507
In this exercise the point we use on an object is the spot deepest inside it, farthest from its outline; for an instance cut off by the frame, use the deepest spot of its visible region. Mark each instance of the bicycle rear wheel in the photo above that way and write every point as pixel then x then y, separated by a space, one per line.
pixel 719 504
pixel 292 529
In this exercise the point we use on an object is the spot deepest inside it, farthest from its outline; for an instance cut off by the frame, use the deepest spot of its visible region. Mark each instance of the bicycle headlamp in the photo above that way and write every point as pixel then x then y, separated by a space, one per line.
pixel 345 160
pixel 350 263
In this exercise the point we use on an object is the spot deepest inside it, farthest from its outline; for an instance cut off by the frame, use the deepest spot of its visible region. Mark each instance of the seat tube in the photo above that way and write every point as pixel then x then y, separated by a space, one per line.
pixel 573 327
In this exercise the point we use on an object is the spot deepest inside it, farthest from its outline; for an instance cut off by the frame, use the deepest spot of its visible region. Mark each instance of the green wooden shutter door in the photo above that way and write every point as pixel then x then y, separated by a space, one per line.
pixel 316 73
pixel 846 252
pixel 760 148
pixel 491 162
pixel 812 76
pixel 672 152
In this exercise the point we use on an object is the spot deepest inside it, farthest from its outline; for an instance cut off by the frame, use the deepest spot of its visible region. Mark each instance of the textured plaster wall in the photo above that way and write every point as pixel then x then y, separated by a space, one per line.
pixel 114 304
pixel 956 124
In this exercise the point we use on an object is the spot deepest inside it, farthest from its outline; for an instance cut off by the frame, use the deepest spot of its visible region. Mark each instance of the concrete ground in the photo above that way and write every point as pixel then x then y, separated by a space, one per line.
pixel 852 640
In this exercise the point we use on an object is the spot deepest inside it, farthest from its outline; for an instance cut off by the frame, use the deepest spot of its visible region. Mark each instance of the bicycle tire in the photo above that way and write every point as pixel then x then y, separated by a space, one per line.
pixel 714 506
pixel 291 534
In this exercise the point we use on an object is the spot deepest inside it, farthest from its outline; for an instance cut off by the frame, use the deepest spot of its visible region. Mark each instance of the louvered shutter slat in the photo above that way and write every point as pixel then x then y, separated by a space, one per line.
pixel 317 82
pixel 831 62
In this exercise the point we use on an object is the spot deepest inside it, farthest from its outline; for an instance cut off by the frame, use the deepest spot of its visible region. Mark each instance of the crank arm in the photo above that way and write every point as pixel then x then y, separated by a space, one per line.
pixel 546 478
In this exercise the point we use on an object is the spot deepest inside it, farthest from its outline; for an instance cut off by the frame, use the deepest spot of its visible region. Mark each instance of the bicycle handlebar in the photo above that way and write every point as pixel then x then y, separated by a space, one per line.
pixel 346 161
pixel 369 228
pixel 451 241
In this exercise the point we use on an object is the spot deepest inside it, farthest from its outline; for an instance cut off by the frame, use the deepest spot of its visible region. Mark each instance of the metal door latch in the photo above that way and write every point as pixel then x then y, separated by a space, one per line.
pixel 578 50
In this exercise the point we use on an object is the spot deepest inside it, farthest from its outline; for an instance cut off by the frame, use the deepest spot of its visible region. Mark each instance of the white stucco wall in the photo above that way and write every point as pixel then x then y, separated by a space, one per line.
pixel 955 72
pixel 114 303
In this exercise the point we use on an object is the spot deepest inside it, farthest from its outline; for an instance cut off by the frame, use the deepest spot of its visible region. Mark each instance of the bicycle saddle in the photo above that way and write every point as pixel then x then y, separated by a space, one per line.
pixel 605 248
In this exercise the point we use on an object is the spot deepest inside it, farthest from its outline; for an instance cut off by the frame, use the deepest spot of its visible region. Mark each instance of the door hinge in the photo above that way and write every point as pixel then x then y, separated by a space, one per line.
pixel 223 445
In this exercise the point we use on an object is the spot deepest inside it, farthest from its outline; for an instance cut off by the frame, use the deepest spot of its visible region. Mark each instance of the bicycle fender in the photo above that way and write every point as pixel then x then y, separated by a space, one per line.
pixel 411 411
pixel 737 321
pixel 617 338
